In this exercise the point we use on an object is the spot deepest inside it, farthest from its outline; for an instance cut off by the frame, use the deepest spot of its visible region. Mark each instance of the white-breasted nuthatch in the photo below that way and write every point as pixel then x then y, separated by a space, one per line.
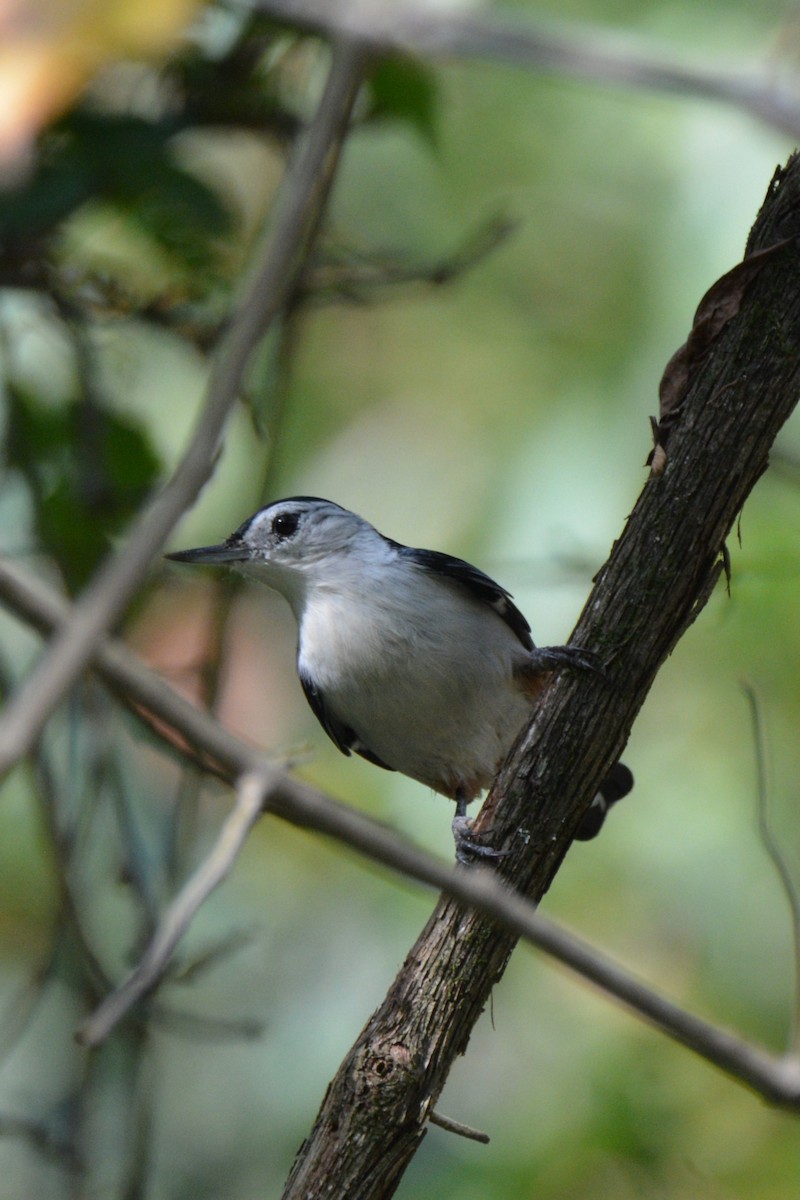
pixel 415 660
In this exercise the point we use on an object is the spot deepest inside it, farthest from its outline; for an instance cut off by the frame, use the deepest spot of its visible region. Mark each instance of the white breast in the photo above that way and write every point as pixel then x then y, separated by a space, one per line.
pixel 420 671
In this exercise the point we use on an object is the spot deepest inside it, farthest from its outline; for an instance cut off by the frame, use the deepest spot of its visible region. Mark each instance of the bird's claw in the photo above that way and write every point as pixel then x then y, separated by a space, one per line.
pixel 575 658
pixel 469 851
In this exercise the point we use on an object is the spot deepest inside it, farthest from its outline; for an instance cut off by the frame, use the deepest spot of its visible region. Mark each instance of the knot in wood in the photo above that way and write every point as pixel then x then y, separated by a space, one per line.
pixel 386 1070
pixel 383 1063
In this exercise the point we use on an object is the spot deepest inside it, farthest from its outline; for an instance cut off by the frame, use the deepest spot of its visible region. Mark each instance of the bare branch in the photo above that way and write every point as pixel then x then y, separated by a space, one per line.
pixel 299 211
pixel 180 913
pixel 595 54
pixel 457 1127
pixel 192 1027
pixel 778 1079
pixel 44 1138
pixel 359 279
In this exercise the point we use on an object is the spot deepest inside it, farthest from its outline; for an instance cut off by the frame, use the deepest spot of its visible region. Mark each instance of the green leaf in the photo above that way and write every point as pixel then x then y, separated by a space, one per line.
pixel 88 471
pixel 130 163
pixel 404 90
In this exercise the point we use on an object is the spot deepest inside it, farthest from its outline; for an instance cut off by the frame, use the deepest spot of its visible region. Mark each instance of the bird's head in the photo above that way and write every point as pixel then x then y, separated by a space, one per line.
pixel 294 545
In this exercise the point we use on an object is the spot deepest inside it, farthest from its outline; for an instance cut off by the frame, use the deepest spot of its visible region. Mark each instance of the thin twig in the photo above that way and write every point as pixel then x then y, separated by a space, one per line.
pixel 180 913
pixel 212 955
pixel 778 1079
pixel 44 1138
pixel 773 849
pixel 296 222
pixel 18 1014
pixel 137 869
pixel 593 54
pixel 193 1027
pixel 359 278
pixel 465 1131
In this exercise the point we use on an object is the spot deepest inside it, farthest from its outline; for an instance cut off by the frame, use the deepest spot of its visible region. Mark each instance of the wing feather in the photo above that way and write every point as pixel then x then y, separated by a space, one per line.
pixel 340 733
pixel 475 583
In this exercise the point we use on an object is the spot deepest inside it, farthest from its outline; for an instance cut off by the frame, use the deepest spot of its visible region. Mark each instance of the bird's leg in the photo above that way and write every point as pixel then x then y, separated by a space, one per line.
pixel 467 850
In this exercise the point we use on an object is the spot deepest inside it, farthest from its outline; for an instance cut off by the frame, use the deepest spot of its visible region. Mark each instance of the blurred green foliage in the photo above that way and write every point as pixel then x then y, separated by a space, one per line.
pixel 497 410
pixel 125 161
pixel 88 470
pixel 403 90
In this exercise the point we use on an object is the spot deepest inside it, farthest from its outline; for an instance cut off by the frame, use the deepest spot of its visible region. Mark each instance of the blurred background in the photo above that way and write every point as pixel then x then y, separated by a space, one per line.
pixel 482 394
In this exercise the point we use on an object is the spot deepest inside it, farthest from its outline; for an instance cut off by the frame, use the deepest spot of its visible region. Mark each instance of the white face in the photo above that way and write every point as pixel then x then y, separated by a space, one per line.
pixel 294 544
pixel 299 531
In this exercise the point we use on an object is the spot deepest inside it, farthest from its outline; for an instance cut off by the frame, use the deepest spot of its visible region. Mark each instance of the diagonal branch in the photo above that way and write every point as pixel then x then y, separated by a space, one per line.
pixel 775 1078
pixel 741 383
pixel 593 54
pixel 299 210
pixel 208 876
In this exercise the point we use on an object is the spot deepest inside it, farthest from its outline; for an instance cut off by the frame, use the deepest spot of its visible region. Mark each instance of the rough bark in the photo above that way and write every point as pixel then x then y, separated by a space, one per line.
pixel 740 382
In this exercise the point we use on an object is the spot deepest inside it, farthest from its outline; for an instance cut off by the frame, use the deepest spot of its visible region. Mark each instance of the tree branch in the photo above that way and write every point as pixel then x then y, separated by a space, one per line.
pixel 777 1079
pixel 592 54
pixel 181 912
pixel 739 388
pixel 299 210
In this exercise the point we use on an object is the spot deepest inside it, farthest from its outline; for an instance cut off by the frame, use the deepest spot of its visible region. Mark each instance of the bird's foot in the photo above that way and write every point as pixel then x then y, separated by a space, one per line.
pixel 574 658
pixel 468 851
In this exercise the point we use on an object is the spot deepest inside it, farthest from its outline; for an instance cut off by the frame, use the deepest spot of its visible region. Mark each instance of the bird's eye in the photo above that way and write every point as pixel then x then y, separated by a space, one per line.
pixel 285 524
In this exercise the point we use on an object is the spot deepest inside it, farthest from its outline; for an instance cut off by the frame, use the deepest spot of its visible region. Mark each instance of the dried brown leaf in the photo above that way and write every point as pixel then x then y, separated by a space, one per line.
pixel 718 306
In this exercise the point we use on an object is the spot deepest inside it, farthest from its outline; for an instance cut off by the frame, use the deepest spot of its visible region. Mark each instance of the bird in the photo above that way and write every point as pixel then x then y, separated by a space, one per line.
pixel 413 659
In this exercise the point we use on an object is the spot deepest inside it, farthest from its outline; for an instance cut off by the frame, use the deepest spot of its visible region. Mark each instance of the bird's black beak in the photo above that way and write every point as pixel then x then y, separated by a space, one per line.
pixel 212 555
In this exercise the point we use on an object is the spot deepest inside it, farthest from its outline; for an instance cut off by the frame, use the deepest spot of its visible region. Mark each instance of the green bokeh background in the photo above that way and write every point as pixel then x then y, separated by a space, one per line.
pixel 503 418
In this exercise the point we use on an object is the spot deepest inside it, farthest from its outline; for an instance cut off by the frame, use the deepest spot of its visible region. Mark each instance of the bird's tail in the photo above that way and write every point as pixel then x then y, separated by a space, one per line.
pixel 616 784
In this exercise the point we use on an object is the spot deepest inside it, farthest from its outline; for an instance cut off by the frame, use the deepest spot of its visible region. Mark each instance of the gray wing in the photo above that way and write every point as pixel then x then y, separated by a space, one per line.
pixel 340 733
pixel 476 583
